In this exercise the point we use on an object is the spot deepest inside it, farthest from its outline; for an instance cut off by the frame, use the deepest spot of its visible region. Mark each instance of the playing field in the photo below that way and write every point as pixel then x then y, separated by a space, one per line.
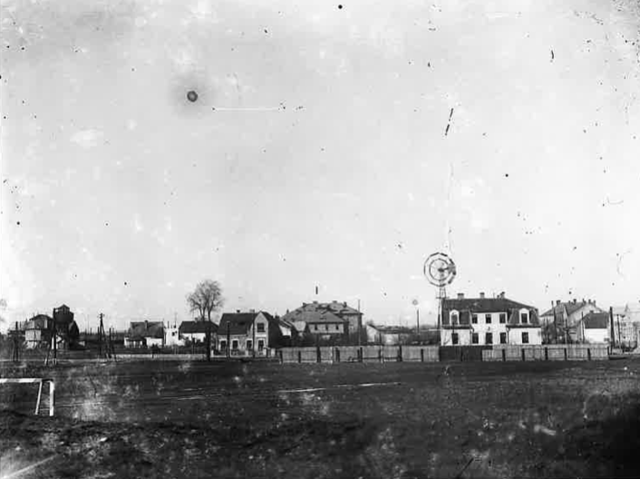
pixel 393 420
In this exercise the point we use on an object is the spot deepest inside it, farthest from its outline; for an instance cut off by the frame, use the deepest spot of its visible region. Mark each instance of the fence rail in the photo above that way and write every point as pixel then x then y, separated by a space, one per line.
pixel 429 354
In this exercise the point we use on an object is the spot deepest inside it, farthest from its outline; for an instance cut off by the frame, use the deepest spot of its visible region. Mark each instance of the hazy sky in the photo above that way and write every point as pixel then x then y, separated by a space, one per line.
pixel 325 161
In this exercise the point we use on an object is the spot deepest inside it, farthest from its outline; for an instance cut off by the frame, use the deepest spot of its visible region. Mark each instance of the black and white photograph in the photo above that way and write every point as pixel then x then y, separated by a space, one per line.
pixel 356 239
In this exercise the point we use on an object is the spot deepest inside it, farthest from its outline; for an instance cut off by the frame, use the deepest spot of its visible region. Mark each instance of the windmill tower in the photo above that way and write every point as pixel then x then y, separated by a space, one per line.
pixel 440 271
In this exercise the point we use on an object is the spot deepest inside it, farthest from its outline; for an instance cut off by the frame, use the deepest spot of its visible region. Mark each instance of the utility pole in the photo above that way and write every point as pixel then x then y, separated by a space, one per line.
pixel 228 339
pixel 555 323
pixel 101 334
pixel 613 331
pixel 418 323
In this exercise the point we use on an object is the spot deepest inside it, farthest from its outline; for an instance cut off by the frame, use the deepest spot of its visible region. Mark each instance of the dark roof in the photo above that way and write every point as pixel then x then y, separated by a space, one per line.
pixel 313 317
pixel 239 323
pixel 483 305
pixel 190 327
pixel 596 321
pixel 514 319
pixel 146 329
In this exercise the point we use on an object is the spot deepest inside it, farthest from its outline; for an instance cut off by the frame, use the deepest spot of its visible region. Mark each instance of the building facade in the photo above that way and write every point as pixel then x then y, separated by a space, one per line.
pixel 488 321
pixel 244 334
pixel 562 320
pixel 594 328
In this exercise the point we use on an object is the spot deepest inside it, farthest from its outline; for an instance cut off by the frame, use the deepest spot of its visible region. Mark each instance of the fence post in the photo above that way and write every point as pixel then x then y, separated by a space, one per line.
pixel 546 353
pixel 422 355
pixel 504 354
pixel 399 354
pixel 565 354
pixel 523 355
pixel 299 356
pixel 318 355
pixel 380 355
pixel 589 354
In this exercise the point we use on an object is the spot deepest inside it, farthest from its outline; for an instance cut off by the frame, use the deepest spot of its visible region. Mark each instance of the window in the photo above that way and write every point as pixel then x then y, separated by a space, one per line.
pixel 488 338
pixel 315 327
pixel 474 338
pixel 249 344
pixel 503 338
pixel 454 338
pixel 525 338
pixel 337 327
pixel 524 317
pixel 223 345
pixel 474 318
pixel 260 344
pixel 261 327
pixel 326 327
pixel 234 344
pixel 454 317
pixel 503 318
pixel 487 318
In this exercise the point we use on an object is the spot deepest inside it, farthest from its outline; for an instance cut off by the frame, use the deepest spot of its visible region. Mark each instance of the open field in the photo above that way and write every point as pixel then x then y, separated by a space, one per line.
pixel 170 419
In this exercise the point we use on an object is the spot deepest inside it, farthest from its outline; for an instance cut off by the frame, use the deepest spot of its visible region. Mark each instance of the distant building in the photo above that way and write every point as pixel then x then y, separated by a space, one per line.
pixel 244 334
pixel 389 335
pixel 594 328
pixel 327 320
pixel 282 333
pixel 144 334
pixel 562 320
pixel 626 325
pixel 486 321
pixel 196 331
pixel 38 331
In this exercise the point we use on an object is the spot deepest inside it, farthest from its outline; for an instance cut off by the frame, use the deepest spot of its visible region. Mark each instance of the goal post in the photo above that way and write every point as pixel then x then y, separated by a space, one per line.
pixel 40 382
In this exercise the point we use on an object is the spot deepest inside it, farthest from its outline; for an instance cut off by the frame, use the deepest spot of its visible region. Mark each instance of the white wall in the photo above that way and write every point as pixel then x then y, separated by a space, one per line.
pixel 172 336
pixel 596 335
pixel 464 337
pixel 535 335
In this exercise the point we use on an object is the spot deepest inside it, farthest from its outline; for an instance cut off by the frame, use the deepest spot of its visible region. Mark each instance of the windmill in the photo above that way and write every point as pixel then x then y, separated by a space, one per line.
pixel 440 271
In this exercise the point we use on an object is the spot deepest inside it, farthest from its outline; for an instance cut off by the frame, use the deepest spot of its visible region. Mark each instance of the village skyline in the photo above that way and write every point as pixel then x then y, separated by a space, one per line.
pixel 279 149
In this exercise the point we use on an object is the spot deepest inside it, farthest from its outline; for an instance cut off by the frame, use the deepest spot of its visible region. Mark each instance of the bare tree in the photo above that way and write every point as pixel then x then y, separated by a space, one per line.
pixel 204 300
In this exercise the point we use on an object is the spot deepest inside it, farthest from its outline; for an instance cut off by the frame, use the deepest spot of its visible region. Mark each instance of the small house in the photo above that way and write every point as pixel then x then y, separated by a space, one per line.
pixel 244 334
pixel 594 328
pixel 196 331
pixel 144 334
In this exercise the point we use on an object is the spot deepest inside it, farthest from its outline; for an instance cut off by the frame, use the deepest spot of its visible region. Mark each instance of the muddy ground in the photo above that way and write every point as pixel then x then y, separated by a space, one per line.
pixel 394 420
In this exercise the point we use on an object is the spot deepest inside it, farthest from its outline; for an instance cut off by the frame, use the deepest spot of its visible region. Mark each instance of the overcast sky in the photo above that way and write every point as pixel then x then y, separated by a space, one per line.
pixel 316 154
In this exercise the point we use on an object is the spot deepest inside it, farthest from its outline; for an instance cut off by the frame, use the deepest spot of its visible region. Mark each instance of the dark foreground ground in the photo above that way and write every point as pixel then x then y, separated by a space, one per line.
pixel 158 419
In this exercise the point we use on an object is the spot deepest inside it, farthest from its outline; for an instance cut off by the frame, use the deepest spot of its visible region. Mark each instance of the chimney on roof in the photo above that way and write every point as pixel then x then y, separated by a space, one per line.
pixel 502 294
pixel 558 302
pixel 345 304
pixel 481 295
pixel 460 295
pixel 237 311
pixel 146 324
pixel 575 300
pixel 315 302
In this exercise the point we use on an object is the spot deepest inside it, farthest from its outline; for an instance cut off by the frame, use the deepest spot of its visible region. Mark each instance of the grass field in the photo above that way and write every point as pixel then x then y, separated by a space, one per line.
pixel 393 420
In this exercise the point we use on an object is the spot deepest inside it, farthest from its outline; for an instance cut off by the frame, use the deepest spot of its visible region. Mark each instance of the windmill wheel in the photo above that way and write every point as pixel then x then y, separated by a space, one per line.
pixel 439 269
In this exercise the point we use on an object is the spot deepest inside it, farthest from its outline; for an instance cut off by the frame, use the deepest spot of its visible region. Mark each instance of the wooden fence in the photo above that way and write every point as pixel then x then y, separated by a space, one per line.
pixel 430 354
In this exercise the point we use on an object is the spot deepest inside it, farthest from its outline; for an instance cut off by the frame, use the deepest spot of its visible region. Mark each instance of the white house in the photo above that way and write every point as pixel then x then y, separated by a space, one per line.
pixel 144 333
pixel 564 317
pixel 488 321
pixel 172 336
pixel 594 328
pixel 196 331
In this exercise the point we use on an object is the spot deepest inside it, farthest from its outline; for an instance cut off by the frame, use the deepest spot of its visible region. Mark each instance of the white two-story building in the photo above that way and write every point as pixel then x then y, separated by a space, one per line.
pixel 488 321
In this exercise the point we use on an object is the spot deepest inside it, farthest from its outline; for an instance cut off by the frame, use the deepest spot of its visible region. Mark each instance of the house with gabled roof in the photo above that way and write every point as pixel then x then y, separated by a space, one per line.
pixel 144 334
pixel 488 321
pixel 196 331
pixel 38 331
pixel 244 334
pixel 564 317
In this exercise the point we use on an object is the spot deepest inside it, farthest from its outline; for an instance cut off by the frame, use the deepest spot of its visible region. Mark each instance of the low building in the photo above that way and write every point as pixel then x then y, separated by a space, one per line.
pixel 196 331
pixel 626 326
pixel 282 333
pixel 488 321
pixel 594 328
pixel 144 334
pixel 244 334
pixel 389 335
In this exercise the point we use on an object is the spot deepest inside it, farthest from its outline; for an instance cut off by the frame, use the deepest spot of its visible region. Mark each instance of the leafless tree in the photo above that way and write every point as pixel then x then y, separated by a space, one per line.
pixel 205 299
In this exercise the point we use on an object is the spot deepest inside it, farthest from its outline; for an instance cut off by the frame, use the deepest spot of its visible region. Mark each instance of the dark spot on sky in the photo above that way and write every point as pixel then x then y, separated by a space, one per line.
pixel 339 7
pixel 125 283
pixel 506 175
pixel 106 224
pixel 266 31
pixel 18 223
pixel 192 96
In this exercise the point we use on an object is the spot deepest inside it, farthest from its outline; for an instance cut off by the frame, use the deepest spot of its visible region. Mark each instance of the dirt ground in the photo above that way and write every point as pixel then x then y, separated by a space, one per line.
pixel 393 420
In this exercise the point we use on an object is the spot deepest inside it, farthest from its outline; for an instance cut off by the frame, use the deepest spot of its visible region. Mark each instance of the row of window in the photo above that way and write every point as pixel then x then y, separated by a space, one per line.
pixel 524 318
pixel 326 327
pixel 235 345
pixel 488 338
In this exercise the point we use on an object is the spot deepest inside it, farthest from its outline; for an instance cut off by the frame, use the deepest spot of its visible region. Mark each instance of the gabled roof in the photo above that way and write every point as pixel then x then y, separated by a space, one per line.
pixel 39 321
pixel 483 305
pixel 335 307
pixel 313 317
pixel 596 321
pixel 191 327
pixel 239 323
pixel 515 321
pixel 145 329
